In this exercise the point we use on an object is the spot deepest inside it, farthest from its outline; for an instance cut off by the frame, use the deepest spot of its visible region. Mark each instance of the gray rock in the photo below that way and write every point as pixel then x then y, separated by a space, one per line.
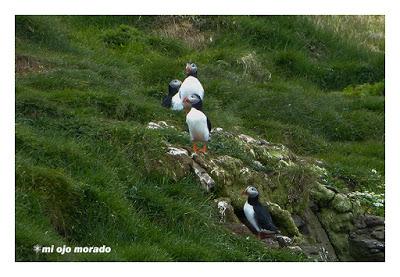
pixel 174 151
pixel 295 249
pixel 159 125
pixel 298 220
pixel 364 249
pixel 378 234
pixel 367 242
pixel 284 241
pixel 271 243
pixel 206 181
pixel 372 220
pixel 316 253
pixel 246 138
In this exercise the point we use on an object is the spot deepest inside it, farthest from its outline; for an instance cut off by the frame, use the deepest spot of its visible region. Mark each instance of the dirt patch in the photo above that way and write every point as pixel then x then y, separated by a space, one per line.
pixel 185 31
pixel 252 67
pixel 26 64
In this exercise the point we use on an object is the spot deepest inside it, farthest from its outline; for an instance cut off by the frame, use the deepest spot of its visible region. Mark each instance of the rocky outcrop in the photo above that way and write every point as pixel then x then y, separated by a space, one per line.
pixel 354 235
pixel 325 223
pixel 367 241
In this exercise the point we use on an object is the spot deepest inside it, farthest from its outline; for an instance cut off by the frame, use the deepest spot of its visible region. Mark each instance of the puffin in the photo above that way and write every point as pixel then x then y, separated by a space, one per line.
pixel 198 123
pixel 191 85
pixel 173 88
pixel 257 215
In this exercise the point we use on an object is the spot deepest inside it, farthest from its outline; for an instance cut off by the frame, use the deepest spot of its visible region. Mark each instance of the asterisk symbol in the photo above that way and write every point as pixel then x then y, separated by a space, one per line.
pixel 37 248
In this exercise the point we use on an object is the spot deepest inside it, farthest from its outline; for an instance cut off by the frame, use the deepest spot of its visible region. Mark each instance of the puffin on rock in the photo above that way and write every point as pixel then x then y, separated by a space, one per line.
pixel 191 85
pixel 257 215
pixel 198 123
pixel 173 88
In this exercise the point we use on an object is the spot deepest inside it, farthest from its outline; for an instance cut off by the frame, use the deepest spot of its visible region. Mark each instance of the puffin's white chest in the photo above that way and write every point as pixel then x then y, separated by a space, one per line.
pixel 251 216
pixel 191 85
pixel 176 103
pixel 197 123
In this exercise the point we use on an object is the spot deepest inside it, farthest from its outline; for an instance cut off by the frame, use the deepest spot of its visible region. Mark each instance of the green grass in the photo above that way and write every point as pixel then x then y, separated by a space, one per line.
pixel 86 167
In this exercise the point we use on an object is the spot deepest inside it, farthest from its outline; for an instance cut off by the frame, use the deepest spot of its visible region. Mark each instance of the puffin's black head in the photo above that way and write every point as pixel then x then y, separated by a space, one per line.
pixel 173 87
pixel 191 69
pixel 193 101
pixel 251 192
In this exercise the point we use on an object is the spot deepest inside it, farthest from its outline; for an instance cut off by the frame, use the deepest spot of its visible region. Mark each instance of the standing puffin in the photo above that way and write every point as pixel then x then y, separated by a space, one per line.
pixel 173 89
pixel 256 214
pixel 198 123
pixel 191 85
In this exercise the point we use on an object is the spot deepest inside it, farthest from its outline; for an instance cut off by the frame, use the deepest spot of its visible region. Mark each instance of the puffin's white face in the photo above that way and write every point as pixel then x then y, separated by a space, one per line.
pixel 251 191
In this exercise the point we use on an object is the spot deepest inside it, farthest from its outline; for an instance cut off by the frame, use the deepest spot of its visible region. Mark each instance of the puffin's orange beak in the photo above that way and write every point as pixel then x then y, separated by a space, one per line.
pixel 187 69
pixel 244 192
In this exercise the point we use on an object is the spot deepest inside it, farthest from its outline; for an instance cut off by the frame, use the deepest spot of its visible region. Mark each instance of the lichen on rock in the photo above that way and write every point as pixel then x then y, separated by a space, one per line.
pixel 321 195
pixel 226 211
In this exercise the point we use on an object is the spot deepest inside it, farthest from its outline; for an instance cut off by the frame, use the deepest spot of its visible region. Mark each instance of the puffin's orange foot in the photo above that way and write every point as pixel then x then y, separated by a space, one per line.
pixel 195 149
pixel 204 149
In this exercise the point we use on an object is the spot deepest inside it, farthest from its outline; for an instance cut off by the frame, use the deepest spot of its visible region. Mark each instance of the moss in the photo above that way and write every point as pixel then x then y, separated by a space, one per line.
pixel 321 194
pixel 283 219
pixel 341 244
pixel 341 203
pixel 337 222
pixel 337 226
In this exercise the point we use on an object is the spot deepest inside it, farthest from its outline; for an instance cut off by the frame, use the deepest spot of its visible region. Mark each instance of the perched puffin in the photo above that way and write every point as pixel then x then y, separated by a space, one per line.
pixel 191 85
pixel 173 89
pixel 256 214
pixel 198 123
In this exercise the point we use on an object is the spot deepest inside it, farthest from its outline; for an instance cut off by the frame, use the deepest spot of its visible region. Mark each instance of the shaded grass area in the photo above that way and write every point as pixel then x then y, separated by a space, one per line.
pixel 85 164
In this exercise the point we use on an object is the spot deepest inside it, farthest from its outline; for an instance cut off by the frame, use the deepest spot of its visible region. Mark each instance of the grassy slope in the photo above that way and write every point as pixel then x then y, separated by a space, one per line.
pixel 84 160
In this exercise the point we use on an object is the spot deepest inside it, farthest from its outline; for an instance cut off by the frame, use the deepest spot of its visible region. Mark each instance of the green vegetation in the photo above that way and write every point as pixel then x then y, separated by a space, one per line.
pixel 86 87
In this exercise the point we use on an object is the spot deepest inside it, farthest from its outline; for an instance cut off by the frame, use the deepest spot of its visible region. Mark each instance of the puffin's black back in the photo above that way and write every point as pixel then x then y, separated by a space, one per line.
pixel 208 124
pixel 167 101
pixel 262 215
pixel 172 90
